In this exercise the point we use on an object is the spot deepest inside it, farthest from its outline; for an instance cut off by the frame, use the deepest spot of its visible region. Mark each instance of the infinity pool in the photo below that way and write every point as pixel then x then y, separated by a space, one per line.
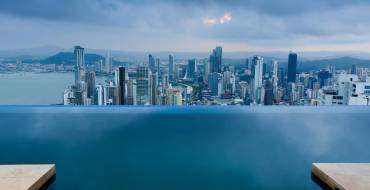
pixel 183 147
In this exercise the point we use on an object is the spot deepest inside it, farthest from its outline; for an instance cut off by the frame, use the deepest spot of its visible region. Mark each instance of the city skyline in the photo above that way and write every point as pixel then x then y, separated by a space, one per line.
pixel 209 81
pixel 187 26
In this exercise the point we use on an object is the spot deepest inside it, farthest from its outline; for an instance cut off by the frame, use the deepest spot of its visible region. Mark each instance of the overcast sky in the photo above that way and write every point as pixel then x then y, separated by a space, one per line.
pixel 159 25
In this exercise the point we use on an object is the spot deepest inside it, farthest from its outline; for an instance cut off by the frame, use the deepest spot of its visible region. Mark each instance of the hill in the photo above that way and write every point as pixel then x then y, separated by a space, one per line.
pixel 339 63
pixel 68 58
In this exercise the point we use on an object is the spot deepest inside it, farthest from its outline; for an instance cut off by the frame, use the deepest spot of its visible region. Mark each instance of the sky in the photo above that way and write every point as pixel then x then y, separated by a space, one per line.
pixel 178 25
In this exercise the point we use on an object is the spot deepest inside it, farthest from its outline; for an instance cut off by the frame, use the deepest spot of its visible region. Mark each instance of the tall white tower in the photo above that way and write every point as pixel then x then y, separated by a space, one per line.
pixel 108 63
pixel 80 66
pixel 274 77
pixel 257 80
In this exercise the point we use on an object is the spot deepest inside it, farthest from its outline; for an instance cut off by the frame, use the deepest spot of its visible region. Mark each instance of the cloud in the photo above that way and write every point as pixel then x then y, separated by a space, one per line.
pixel 260 24
pixel 221 20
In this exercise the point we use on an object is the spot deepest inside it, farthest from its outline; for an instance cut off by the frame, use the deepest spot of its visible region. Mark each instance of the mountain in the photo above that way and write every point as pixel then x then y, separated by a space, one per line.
pixel 339 63
pixel 34 53
pixel 68 58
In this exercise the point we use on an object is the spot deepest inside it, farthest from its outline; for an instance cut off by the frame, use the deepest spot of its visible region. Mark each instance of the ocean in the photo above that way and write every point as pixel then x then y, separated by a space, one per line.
pixel 28 88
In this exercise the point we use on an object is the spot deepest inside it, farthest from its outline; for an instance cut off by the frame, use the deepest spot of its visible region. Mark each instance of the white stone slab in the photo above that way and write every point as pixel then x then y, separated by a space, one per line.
pixel 25 177
pixel 349 176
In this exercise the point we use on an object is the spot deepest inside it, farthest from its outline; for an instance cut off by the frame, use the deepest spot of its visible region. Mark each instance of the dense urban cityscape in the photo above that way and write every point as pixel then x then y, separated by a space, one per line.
pixel 209 82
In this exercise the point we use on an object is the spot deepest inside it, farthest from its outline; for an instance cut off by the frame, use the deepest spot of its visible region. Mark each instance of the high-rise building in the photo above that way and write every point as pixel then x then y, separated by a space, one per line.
pixel 257 63
pixel 158 69
pixel 324 77
pixel 188 90
pixel 99 66
pixel 300 91
pixel 191 69
pixel 292 67
pixel 99 95
pixel 121 86
pixel 73 96
pixel 90 83
pixel 153 84
pixel 291 92
pixel 274 78
pixel 142 85
pixel 269 93
pixel 282 77
pixel 353 69
pixel 215 84
pixel 80 67
pixel 131 92
pixel 216 60
pixel 315 90
pixel 206 70
pixel 247 63
pixel 110 95
pixel 174 97
pixel 265 72
pixel 170 67
pixel 165 82
pixel 108 63
pixel 363 74
pixel 152 63
pixel 229 82
pixel 274 69
pixel 244 90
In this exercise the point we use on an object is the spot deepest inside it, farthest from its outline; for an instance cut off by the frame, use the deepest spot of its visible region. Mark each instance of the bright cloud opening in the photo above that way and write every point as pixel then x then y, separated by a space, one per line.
pixel 220 20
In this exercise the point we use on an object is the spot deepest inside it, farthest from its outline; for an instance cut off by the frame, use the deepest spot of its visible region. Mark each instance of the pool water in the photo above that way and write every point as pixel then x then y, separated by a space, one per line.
pixel 183 147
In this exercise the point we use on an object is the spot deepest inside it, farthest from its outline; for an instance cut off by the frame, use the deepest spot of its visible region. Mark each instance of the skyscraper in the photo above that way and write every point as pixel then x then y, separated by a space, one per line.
pixel 142 85
pixel 269 93
pixel 165 82
pixel 151 63
pixel 206 71
pixel 174 97
pixel 131 92
pixel 257 63
pixel 274 69
pixel 323 77
pixel 215 84
pixel 353 69
pixel 274 78
pixel 108 63
pixel 109 95
pixel 153 83
pixel 121 85
pixel 100 95
pixel 191 69
pixel 100 67
pixel 90 83
pixel 247 63
pixel 170 67
pixel 216 60
pixel 158 69
pixel 72 96
pixel 265 71
pixel 80 67
pixel 228 82
pixel 292 67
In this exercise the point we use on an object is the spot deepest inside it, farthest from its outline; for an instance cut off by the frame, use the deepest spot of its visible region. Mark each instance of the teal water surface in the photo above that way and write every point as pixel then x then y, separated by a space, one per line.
pixel 183 147
pixel 27 88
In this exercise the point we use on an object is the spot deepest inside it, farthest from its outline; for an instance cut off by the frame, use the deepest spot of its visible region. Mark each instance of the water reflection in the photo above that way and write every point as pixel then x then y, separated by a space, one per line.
pixel 184 148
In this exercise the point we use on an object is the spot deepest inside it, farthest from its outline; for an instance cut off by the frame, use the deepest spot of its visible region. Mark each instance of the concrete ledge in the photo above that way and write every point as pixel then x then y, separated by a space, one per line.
pixel 25 177
pixel 340 176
